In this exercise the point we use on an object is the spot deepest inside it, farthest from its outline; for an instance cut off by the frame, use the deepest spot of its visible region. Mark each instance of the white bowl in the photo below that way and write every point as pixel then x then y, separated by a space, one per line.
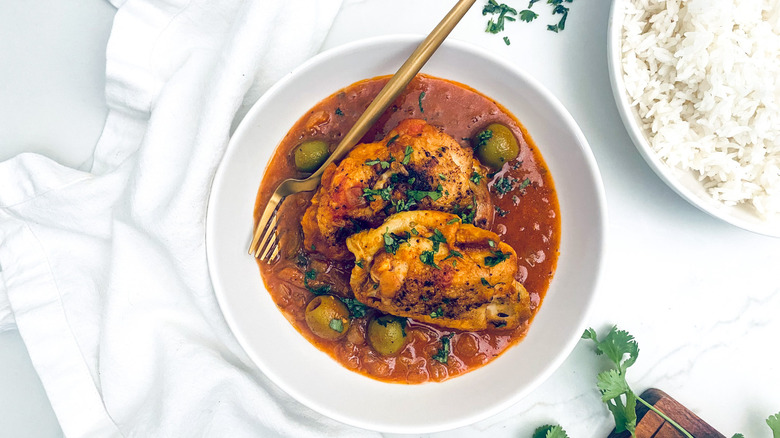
pixel 311 376
pixel 685 183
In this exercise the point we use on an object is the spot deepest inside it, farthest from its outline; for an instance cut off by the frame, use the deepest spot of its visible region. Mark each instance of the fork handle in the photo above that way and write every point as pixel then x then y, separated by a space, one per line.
pixel 397 83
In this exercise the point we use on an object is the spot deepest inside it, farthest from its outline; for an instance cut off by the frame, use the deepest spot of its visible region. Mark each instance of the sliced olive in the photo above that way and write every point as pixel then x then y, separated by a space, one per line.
pixel 386 334
pixel 496 145
pixel 310 155
pixel 327 317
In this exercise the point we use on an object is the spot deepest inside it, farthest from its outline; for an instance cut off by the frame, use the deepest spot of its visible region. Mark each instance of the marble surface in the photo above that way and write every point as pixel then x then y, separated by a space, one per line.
pixel 701 296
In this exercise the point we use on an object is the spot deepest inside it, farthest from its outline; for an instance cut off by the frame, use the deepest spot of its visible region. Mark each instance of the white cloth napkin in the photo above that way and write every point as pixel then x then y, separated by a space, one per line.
pixel 104 272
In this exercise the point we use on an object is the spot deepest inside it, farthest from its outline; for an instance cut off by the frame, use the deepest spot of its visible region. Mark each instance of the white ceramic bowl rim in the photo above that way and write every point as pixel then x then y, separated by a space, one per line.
pixel 370 404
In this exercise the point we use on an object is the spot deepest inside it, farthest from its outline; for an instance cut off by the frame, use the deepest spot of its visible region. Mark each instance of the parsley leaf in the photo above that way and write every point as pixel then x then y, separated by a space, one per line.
pixel 483 137
pixel 452 254
pixel 774 423
pixel 437 238
pixel 550 431
pixel 407 155
pixel 310 275
pixel 504 185
pixel 528 15
pixel 427 258
pixel 437 313
pixel 418 195
pixel 442 354
pixel 392 139
pixel 392 240
pixel 339 112
pixel 382 193
pixel 476 177
pixel 419 101
pixel 336 325
pixel 355 307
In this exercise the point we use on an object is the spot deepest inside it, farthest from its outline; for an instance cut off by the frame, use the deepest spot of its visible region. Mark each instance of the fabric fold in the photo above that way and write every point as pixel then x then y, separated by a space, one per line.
pixel 104 272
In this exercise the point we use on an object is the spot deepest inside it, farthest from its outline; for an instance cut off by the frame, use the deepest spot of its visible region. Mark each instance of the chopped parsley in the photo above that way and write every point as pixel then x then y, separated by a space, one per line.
pixel 497 257
pixel 427 258
pixel 483 137
pixel 382 193
pixel 524 184
pixel 476 177
pixel 407 155
pixel 504 185
pixel 355 307
pixel 339 112
pixel 418 195
pixel 452 254
pixel 442 177
pixel 500 211
pixel 560 9
pixel 528 15
pixel 388 319
pixel 486 283
pixel 359 264
pixel 506 40
pixel 392 140
pixel 403 204
pixel 442 354
pixel 467 213
pixel 492 7
pixel 392 240
pixel 311 275
pixel 438 313
pixel 382 163
pixel 437 238
pixel 453 220
pixel 336 325
pixel 419 101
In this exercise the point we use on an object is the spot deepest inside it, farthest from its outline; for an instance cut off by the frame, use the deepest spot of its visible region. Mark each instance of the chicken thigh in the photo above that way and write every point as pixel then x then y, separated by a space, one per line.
pixel 416 167
pixel 428 266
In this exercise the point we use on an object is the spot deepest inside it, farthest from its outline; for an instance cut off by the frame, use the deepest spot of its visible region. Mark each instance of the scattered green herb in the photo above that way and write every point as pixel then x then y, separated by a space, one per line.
pixel 355 307
pixel 550 431
pixel 506 40
pixel 392 139
pixel 339 112
pixel 336 325
pixel 492 7
pixel 437 238
pixel 407 155
pixel 528 15
pixel 392 240
pixel 359 264
pixel 382 193
pixel 419 101
pixel 476 177
pixel 382 163
pixel 437 313
pixel 497 257
pixel 442 354
pixel 486 283
pixel 452 254
pixel 500 211
pixel 453 220
pixel 311 275
pixel 504 185
pixel 483 137
pixel 427 258
pixel 418 195
pixel 403 204
pixel 526 182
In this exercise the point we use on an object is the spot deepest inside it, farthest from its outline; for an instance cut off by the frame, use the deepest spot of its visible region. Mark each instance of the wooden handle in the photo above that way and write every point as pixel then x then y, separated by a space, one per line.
pixel 397 83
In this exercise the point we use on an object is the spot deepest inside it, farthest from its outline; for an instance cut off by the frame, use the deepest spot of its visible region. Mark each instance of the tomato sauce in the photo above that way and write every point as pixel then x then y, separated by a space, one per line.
pixel 526 217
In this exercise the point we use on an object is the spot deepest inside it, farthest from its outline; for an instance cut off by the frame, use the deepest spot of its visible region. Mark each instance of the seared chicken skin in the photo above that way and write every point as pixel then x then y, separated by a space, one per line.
pixel 428 266
pixel 416 167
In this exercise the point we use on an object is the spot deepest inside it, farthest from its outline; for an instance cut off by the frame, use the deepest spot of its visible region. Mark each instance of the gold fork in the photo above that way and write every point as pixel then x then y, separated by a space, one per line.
pixel 265 242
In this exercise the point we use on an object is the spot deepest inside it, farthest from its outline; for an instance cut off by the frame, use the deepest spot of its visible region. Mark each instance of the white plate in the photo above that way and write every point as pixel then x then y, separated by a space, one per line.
pixel 311 376
pixel 685 183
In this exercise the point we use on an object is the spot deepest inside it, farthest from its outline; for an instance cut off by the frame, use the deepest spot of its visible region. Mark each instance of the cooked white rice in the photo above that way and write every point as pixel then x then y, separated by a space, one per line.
pixel 704 77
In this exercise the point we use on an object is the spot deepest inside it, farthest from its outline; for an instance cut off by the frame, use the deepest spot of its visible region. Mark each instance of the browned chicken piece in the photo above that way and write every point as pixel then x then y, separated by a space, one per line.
pixel 415 167
pixel 428 266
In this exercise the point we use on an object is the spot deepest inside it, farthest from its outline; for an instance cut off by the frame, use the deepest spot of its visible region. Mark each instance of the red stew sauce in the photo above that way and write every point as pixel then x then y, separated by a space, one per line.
pixel 526 217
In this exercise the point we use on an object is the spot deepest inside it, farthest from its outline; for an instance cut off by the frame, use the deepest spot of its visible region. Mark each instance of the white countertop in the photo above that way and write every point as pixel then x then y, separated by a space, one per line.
pixel 700 296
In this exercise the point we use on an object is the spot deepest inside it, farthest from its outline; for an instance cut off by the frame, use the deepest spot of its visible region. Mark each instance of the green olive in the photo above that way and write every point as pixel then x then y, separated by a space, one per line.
pixel 386 334
pixel 327 317
pixel 497 145
pixel 310 155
